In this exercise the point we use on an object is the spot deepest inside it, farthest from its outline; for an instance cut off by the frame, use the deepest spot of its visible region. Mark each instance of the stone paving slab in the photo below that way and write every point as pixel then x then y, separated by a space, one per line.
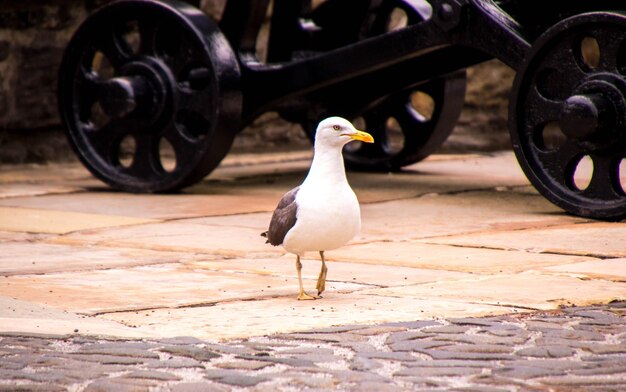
pixel 608 269
pixel 148 287
pixel 18 258
pixel 451 258
pixel 58 222
pixel 600 239
pixel 526 290
pixel 178 236
pixel 48 174
pixel 438 175
pixel 473 211
pixel 284 314
pixel 196 258
pixel 26 317
pixel 22 190
pixel 149 207
pixel 370 275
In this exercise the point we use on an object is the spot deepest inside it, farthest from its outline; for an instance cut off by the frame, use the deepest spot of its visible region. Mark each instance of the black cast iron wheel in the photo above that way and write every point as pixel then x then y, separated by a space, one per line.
pixel 568 111
pixel 409 124
pixel 149 95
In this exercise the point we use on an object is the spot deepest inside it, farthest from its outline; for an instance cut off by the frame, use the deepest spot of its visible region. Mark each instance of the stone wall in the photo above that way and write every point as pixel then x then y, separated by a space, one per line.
pixel 33 35
pixel 483 122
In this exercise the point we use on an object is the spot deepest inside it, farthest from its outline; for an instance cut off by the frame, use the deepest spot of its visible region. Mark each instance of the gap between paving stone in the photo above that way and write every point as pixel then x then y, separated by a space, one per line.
pixel 596 239
pixel 38 258
pixel 598 256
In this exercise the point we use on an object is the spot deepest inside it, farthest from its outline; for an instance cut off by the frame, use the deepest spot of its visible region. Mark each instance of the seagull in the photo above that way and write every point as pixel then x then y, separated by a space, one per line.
pixel 322 213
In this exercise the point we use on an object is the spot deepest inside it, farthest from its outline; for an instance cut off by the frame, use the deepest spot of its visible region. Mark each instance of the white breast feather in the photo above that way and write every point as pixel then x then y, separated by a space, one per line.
pixel 328 217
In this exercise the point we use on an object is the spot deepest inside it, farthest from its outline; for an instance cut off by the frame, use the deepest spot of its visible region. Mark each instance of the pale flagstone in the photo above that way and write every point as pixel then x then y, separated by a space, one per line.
pixel 39 258
pixel 27 317
pixel 149 206
pixel 263 158
pixel 609 269
pixel 370 275
pixel 525 290
pixel 34 220
pixel 598 239
pixel 179 237
pixel 434 175
pixel 452 258
pixel 20 190
pixel 438 215
pixel 258 221
pixel 286 314
pixel 498 166
pixel 214 272
pixel 449 174
pixel 429 216
pixel 48 173
pixel 148 287
pixel 298 168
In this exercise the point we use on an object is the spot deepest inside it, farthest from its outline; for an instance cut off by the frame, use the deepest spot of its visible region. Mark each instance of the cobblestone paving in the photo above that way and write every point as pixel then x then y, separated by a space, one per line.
pixel 576 349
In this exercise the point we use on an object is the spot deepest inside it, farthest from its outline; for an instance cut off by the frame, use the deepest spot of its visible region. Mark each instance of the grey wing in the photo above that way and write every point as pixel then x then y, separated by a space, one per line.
pixel 284 217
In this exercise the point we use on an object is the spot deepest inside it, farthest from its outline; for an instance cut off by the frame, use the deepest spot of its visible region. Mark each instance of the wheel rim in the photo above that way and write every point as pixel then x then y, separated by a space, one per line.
pixel 568 109
pixel 139 76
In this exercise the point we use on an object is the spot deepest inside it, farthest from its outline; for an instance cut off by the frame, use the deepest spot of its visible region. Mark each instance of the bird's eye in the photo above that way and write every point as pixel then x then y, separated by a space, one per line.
pixel 336 127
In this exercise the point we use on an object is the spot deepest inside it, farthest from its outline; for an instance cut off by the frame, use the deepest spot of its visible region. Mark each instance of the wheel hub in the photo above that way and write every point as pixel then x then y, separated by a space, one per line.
pixel 119 96
pixel 584 116
pixel 594 114
pixel 143 91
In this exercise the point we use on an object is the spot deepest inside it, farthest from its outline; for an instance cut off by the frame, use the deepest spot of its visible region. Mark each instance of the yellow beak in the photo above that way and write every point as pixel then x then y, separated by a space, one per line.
pixel 361 136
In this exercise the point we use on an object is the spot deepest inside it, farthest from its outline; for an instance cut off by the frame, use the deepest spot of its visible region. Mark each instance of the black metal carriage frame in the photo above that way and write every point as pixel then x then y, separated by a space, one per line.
pixel 142 72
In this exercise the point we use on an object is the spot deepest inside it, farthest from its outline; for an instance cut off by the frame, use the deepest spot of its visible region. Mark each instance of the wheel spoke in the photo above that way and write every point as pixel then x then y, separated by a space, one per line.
pixel 146 161
pixel 567 66
pixel 104 141
pixel 605 181
pixel 610 43
pixel 194 100
pixel 438 89
pixel 87 87
pixel 172 46
pixel 185 148
pixel 376 125
pixel 148 31
pixel 539 109
pixel 415 128
pixel 560 164
pixel 108 43
pixel 87 82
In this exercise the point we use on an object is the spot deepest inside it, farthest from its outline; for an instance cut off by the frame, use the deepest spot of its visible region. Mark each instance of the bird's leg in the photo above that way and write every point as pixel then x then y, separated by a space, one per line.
pixel 302 295
pixel 321 281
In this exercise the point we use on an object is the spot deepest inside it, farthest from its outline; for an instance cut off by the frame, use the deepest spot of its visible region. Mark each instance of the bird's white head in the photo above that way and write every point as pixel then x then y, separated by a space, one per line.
pixel 337 131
